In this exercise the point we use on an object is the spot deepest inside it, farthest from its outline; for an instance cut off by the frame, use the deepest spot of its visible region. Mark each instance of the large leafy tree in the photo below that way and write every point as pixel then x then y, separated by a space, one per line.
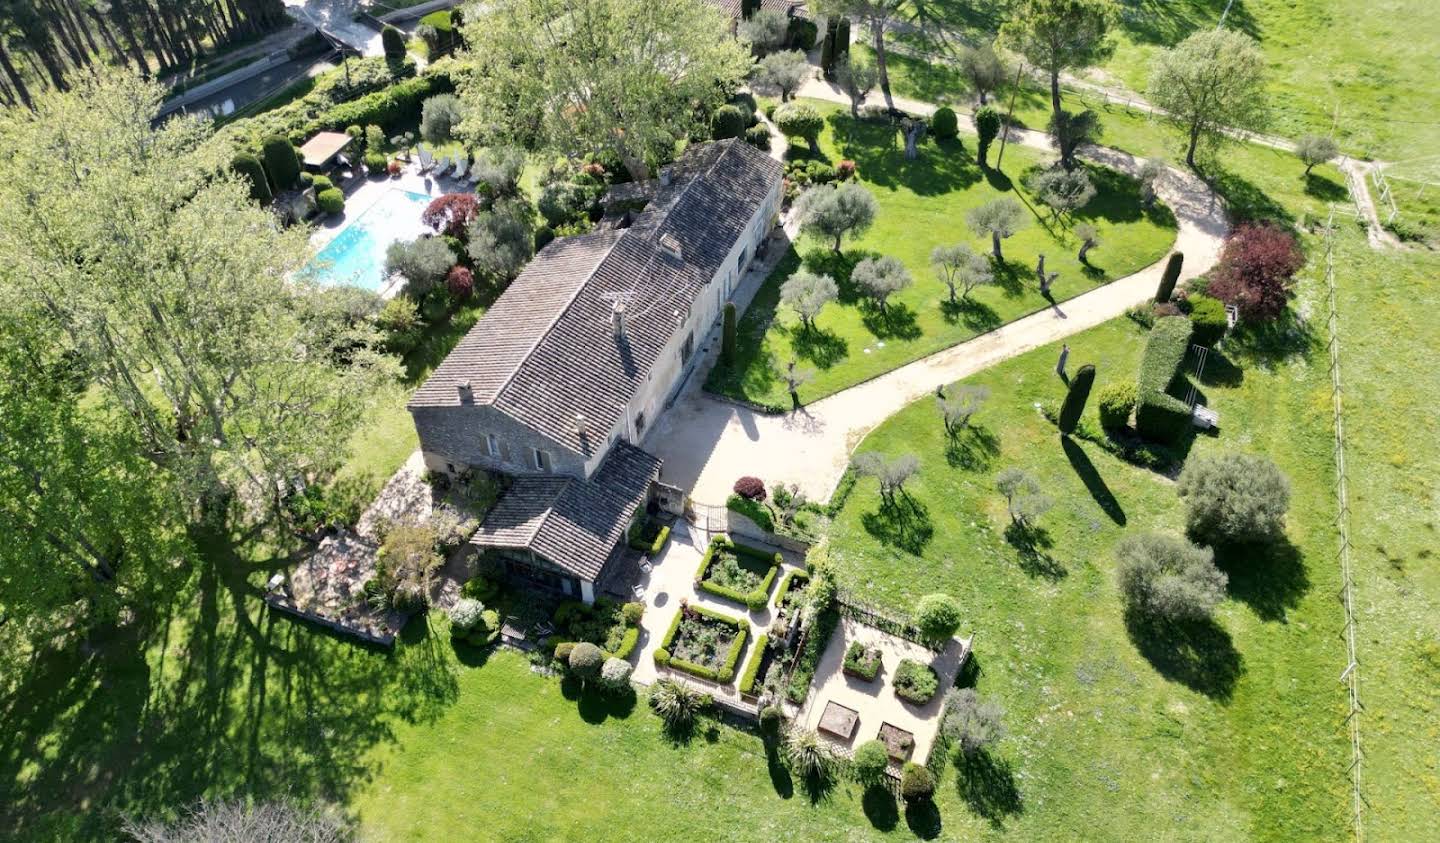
pixel 173 294
pixel 1211 81
pixel 622 78
pixel 1060 35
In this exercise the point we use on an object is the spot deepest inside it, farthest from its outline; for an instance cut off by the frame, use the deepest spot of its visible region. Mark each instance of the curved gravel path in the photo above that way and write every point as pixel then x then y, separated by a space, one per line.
pixel 707 442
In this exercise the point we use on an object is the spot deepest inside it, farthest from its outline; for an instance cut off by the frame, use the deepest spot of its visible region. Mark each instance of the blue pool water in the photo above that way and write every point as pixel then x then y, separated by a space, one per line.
pixel 356 256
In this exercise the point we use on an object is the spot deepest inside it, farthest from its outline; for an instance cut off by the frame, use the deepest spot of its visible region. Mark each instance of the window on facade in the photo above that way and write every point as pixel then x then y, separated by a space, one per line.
pixel 639 424
pixel 542 460
pixel 740 264
pixel 492 445
pixel 687 348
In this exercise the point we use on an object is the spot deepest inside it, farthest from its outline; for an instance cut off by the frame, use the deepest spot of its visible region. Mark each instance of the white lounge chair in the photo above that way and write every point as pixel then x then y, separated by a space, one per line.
pixel 460 166
pixel 426 160
pixel 441 165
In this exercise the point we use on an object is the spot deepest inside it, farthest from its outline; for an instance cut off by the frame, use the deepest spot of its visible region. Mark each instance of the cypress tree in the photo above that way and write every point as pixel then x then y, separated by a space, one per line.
pixel 727 335
pixel 1168 278
pixel 842 41
pixel 281 162
pixel 827 49
pixel 1075 399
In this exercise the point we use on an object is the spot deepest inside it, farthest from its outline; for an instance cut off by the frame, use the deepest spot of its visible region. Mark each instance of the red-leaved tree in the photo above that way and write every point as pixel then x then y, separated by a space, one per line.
pixel 1255 268
pixel 460 282
pixel 451 213
pixel 750 487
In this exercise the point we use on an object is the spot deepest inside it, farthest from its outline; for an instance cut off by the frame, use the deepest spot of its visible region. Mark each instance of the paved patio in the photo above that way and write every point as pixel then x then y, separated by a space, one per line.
pixel 875 702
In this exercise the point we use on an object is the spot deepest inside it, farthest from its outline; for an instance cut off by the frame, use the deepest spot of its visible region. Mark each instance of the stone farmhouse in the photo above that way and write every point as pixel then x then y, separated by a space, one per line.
pixel 557 383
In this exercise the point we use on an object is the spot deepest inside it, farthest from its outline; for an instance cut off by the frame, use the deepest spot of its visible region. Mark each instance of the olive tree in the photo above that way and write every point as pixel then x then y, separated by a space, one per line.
pixel 891 472
pixel 960 405
pixel 959 267
pixel 440 116
pixel 766 30
pixel 1024 496
pixel 834 213
pixel 1089 238
pixel 1234 498
pixel 783 71
pixel 881 278
pixel 983 69
pixel 857 79
pixel 1315 149
pixel 1063 191
pixel 1212 81
pixel 800 120
pixel 1165 577
pixel 807 294
pixel 999 218
pixel 970 723
pixel 424 262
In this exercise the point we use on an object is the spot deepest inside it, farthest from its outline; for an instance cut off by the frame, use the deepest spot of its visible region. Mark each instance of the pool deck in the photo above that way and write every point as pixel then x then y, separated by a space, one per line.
pixel 362 194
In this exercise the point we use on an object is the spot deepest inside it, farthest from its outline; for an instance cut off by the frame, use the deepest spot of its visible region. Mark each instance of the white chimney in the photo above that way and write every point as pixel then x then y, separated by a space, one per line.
pixel 671 244
pixel 582 424
pixel 463 387
pixel 617 317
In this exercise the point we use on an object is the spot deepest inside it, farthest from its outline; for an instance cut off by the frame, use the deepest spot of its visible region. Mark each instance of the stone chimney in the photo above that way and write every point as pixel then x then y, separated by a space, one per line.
pixel 617 318
pixel 671 246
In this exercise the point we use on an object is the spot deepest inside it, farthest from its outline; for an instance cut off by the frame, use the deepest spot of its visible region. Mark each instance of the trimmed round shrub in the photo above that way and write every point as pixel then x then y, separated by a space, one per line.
pixel 868 766
pixel 1115 403
pixel 1208 316
pixel 728 122
pixel 938 616
pixel 330 201
pixel 563 651
pixel 615 674
pixel 248 167
pixel 585 660
pixel 944 124
pixel 751 488
pixel 318 182
pixel 916 783
pixel 914 682
pixel 375 162
pixel 758 136
pixel 465 614
pixel 282 163
pixel 755 601
pixel 632 613
pixel 662 657
pixel 771 719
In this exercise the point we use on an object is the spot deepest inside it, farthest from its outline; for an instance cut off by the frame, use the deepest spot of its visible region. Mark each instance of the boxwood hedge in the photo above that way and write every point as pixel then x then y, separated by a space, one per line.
pixel 726 673
pixel 747 679
pixel 1158 414
pixel 755 600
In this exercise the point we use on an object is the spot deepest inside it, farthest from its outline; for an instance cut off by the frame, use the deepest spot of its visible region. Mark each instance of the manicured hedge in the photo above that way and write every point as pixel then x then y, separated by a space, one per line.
pixel 747 679
pixel 752 509
pixel 803 672
pixel 282 162
pixel 627 643
pixel 785 584
pixel 755 600
pixel 914 682
pixel 250 168
pixel 861 661
pixel 1159 415
pixel 652 548
pixel 1207 316
pixel 726 673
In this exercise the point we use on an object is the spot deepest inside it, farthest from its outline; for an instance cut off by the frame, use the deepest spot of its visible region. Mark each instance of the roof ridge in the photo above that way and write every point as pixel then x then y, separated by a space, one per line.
pixel 550 326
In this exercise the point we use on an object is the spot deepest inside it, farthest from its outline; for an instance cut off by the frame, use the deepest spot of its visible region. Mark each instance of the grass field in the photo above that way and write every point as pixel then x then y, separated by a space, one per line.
pixel 1232 731
pixel 1368 58
pixel 922 204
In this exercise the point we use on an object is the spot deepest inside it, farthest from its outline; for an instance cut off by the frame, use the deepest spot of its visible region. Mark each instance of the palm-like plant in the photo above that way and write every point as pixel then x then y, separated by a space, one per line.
pixel 807 755
pixel 675 703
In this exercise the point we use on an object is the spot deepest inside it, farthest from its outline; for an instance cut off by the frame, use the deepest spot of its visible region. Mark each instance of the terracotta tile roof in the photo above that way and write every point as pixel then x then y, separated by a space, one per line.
pixel 547 350
pixel 575 524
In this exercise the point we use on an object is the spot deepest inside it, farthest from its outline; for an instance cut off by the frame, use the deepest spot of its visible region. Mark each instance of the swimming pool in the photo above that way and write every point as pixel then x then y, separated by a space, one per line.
pixel 356 256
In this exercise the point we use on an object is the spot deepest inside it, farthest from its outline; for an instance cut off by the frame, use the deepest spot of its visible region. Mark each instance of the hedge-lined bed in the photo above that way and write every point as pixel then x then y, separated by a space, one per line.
pixel 738 572
pixel 809 658
pixel 862 662
pixel 614 628
pixel 791 587
pixel 752 668
pixel 915 683
pixel 695 642
pixel 649 537
pixel 752 509
pixel 1158 414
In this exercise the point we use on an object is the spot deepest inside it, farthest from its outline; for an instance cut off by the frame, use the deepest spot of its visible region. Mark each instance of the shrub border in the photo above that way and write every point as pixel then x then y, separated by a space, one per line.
pixel 726 674
pixel 653 548
pixel 747 679
pixel 755 600
pixel 786 583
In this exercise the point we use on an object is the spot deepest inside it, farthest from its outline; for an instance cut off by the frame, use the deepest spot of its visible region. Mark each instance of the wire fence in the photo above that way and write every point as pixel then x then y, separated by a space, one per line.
pixel 1351 675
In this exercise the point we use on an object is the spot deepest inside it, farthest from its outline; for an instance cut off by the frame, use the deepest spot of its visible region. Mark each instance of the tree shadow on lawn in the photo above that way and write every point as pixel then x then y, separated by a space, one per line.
pixel 1094 483
pixel 1197 654
pixel 1326 190
pixel 595 704
pixel 922 817
pixel 1221 371
pixel 839 267
pixel 780 777
pixel 817 345
pixel 193 701
pixel 1270 579
pixel 1246 202
pixel 987 785
pixel 975 315
pixel 880 808
pixel 1031 543
pixel 878 149
pixel 1117 200
pixel 897 321
pixel 1166 24
pixel 904 524
pixel 1273 342
pixel 1010 277
pixel 972 448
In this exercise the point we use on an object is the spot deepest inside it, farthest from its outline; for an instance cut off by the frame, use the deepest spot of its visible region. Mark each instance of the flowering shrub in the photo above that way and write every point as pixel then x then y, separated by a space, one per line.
pixel 460 282
pixel 845 169
pixel 751 488
pixel 451 213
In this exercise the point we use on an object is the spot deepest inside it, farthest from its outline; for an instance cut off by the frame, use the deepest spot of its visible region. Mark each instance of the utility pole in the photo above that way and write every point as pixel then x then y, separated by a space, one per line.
pixel 1005 129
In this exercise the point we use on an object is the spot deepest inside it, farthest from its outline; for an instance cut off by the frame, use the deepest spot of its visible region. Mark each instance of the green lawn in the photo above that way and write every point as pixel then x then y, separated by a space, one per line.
pixel 1231 731
pixel 1419 207
pixel 1371 59
pixel 922 204
pixel 1388 335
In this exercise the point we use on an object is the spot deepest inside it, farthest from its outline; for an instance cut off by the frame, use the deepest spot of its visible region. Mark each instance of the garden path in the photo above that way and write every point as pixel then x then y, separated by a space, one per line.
pixel 707 442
